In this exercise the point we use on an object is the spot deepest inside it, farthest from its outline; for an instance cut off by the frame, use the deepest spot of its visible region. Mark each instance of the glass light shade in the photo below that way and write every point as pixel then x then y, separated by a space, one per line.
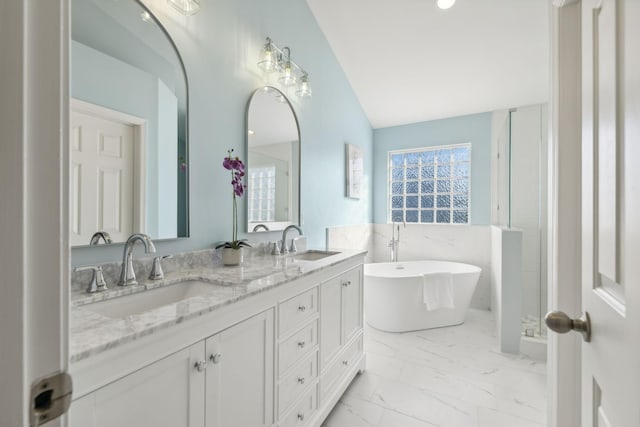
pixel 445 4
pixel 268 59
pixel 185 7
pixel 288 76
pixel 304 89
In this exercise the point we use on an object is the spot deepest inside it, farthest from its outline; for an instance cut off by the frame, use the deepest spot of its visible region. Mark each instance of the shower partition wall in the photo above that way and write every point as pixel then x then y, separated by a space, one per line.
pixel 520 188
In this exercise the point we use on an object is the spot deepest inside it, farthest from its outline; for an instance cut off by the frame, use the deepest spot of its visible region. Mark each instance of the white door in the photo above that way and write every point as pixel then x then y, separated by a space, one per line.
pixel 102 179
pixel 34 289
pixel 611 212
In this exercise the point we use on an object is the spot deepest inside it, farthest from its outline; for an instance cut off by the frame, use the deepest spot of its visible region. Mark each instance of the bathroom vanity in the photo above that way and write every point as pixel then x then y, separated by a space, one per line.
pixel 273 343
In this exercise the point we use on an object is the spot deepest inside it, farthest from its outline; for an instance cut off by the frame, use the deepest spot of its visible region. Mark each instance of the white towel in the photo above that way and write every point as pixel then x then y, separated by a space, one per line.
pixel 437 290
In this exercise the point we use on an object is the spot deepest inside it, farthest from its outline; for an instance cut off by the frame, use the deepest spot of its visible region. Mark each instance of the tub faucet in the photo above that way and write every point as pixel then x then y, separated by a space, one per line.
pixel 127 275
pixel 283 245
pixel 395 240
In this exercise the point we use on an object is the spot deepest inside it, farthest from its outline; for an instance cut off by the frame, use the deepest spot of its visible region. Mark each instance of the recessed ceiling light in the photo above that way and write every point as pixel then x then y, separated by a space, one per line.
pixel 145 16
pixel 445 4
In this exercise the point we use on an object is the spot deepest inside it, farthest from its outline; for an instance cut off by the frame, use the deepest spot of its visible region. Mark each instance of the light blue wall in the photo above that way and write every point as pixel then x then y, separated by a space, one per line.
pixel 220 46
pixel 475 129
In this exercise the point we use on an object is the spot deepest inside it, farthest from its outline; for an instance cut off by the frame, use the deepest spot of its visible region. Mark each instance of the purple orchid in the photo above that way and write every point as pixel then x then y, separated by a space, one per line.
pixel 235 165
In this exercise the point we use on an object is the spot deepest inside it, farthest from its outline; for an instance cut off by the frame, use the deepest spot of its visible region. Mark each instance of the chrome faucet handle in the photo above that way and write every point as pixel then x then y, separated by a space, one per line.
pixel 276 248
pixel 283 247
pixel 97 279
pixel 156 270
pixel 292 247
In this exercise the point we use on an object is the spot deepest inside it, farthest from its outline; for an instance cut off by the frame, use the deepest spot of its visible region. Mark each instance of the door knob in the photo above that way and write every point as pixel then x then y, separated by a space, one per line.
pixel 559 322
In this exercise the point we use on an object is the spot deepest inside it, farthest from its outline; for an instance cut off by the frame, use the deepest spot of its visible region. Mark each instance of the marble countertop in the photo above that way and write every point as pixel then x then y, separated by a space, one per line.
pixel 92 333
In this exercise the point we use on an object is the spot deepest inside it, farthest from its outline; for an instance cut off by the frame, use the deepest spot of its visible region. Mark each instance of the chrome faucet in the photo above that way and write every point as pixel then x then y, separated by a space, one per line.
pixel 259 226
pixel 127 275
pixel 283 245
pixel 395 240
pixel 95 239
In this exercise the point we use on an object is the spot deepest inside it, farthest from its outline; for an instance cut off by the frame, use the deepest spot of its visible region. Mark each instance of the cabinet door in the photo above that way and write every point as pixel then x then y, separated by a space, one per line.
pixel 239 380
pixel 351 304
pixel 167 393
pixel 330 319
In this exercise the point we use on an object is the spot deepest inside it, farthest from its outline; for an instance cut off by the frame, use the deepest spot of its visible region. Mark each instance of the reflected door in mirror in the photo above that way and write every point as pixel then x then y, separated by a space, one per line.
pixel 123 62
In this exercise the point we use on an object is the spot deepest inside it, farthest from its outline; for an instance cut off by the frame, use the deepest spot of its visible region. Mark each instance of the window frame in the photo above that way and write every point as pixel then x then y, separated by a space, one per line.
pixel 451 209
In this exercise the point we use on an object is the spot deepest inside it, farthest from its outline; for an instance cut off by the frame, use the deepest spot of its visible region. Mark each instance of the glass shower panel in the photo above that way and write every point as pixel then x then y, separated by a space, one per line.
pixel 527 209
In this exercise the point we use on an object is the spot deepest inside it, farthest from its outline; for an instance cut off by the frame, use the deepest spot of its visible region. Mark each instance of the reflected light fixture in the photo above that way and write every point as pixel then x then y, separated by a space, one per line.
pixel 145 16
pixel 445 4
pixel 185 7
pixel 275 59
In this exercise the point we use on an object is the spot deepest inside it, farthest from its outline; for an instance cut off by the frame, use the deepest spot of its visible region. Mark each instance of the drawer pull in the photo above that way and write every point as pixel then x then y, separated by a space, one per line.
pixel 301 344
pixel 301 417
pixel 215 358
pixel 301 380
pixel 302 308
pixel 200 365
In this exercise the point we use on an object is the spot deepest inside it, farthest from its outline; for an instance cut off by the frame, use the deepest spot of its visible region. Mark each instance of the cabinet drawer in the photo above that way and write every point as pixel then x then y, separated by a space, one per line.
pixel 297 346
pixel 297 381
pixel 301 413
pixel 295 311
pixel 337 371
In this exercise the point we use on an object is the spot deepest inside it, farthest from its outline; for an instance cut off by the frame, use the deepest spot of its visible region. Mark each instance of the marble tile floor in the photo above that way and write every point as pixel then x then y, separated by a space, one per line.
pixel 448 377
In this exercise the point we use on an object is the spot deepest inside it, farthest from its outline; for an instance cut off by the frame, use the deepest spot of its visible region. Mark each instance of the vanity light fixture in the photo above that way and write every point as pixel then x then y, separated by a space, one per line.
pixel 304 89
pixel 445 4
pixel 185 7
pixel 275 59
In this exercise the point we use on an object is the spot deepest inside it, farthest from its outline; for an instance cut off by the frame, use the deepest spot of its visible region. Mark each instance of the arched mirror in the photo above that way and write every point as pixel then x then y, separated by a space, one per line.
pixel 129 121
pixel 273 162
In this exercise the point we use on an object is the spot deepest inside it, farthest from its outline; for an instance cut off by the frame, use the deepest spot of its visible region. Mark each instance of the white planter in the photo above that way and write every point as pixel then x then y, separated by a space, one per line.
pixel 231 256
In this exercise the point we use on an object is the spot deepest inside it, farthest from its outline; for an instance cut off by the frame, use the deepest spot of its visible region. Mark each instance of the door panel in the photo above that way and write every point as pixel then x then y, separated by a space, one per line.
pixel 240 375
pixel 102 158
pixel 167 393
pixel 610 374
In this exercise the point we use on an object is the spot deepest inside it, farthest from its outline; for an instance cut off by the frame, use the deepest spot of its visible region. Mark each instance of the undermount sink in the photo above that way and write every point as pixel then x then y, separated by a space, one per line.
pixel 312 255
pixel 151 299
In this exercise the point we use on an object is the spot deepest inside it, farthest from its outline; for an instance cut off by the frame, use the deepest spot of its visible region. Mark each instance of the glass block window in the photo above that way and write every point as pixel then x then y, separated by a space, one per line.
pixel 261 195
pixel 430 185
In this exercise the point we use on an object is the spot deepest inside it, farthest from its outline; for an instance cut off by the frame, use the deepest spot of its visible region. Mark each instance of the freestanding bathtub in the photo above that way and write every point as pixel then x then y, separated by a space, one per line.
pixel 393 298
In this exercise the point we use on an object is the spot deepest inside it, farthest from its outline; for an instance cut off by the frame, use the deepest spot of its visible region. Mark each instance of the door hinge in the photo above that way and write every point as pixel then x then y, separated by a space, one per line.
pixel 50 398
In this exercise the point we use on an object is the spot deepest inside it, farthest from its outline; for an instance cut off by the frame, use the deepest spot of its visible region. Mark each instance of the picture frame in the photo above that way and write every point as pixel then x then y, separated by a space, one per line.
pixel 354 171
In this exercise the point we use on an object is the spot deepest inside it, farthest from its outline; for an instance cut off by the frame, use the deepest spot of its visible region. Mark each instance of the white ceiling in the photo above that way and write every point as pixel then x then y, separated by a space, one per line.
pixel 409 61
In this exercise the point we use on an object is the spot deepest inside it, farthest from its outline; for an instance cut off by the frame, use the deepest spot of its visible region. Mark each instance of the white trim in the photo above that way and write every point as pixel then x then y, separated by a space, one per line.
pixel 564 255
pixel 139 154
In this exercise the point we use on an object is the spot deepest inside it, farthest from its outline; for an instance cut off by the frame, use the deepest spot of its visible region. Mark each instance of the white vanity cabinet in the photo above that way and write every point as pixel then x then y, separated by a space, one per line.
pixel 239 375
pixel 279 358
pixel 169 392
pixel 341 328
pixel 216 380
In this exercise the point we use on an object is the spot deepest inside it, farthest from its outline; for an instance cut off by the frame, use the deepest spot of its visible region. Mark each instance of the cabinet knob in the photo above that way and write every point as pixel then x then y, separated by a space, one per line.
pixel 302 308
pixel 301 417
pixel 215 358
pixel 345 362
pixel 200 365
pixel 301 380
pixel 347 283
pixel 301 344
